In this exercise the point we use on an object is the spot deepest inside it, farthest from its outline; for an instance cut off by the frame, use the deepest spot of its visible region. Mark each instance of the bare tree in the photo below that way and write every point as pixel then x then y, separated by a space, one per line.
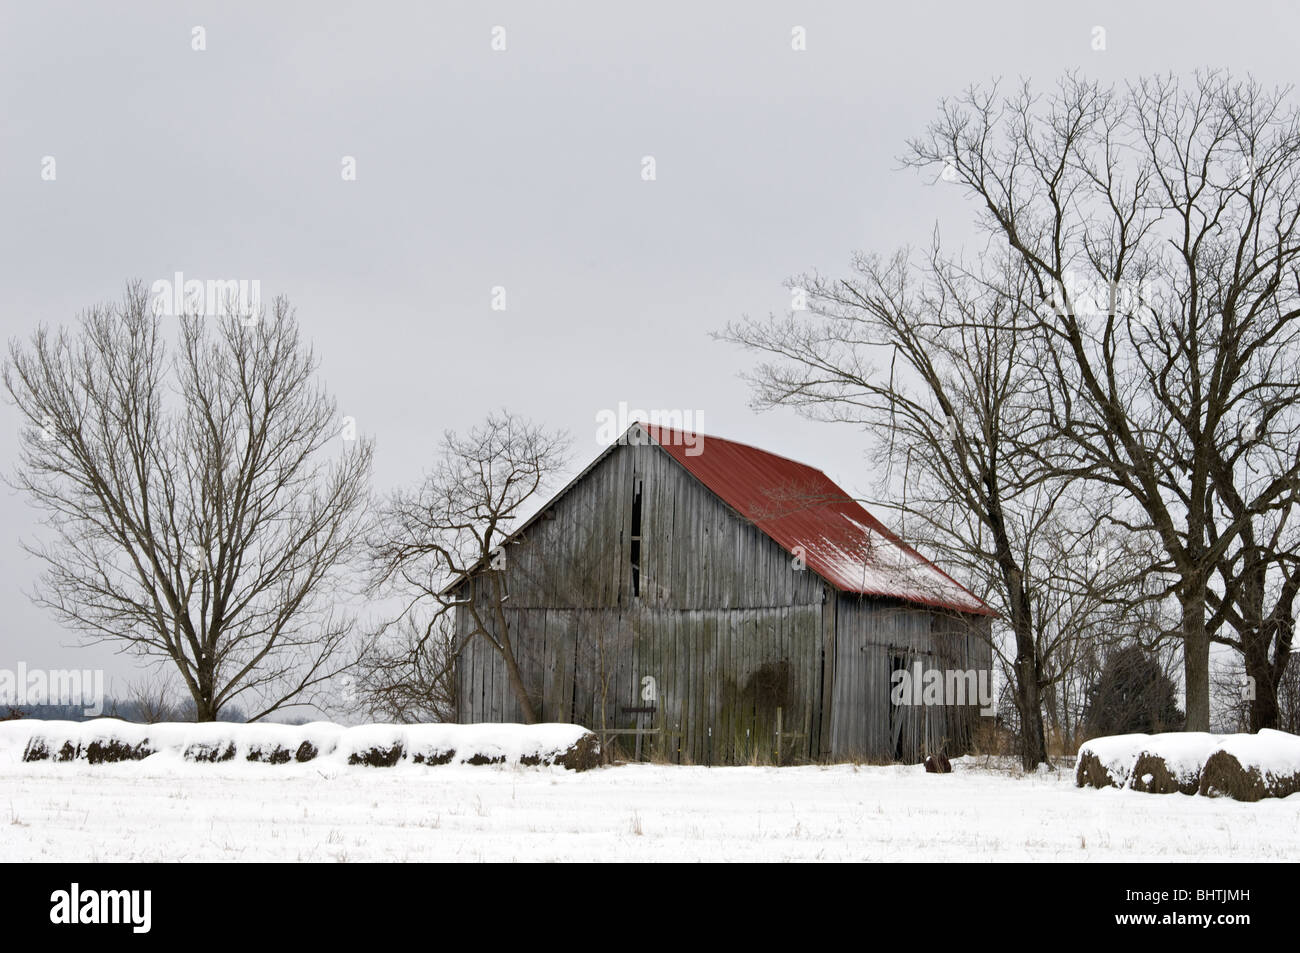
pixel 152 700
pixel 938 363
pixel 1260 579
pixel 1288 697
pixel 452 528
pixel 196 508
pixel 410 678
pixel 1160 229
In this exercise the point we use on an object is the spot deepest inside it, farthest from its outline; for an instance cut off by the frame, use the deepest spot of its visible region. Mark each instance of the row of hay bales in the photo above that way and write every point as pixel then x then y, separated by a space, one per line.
pixel 1243 767
pixel 107 740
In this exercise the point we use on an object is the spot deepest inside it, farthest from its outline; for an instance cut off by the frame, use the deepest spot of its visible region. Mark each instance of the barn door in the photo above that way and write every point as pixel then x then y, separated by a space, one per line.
pixel 897 663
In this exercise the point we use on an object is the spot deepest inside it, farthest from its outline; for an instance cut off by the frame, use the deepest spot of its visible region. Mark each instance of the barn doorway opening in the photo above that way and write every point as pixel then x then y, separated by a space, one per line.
pixel 897 663
pixel 635 549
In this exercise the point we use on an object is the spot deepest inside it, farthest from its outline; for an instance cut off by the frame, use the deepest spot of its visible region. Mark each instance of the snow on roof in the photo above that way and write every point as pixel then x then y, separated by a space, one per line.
pixel 806 514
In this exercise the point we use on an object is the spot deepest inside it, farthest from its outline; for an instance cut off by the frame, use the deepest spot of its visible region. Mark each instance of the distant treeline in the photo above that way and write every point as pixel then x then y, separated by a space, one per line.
pixel 124 709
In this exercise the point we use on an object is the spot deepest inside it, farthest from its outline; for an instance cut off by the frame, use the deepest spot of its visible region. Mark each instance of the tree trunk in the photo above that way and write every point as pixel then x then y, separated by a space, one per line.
pixel 1033 741
pixel 1029 702
pixel 526 710
pixel 1196 657
pixel 1256 634
pixel 1285 638
pixel 1263 707
pixel 203 707
pixel 1279 629
pixel 506 648
pixel 204 691
pixel 1263 678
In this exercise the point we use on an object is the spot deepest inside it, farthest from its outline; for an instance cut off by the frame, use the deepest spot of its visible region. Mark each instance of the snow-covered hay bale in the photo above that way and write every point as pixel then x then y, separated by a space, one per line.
pixel 102 741
pixel 1253 767
pixel 378 756
pixel 1157 764
pixel 289 743
pixel 567 746
pixel 1107 762
pixel 1225 776
pixel 209 751
pixel 44 740
pixel 1089 771
pixel 306 752
pixel 38 749
pixel 269 754
pixel 108 750
pixel 375 746
pixel 1171 762
pixel 263 743
pixel 1152 774
pixel 42 748
pixel 1244 767
pixel 209 743
pixel 106 740
pixel 582 755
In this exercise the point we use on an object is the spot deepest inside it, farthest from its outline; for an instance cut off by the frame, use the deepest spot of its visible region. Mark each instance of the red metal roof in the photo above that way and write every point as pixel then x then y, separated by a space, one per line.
pixel 805 513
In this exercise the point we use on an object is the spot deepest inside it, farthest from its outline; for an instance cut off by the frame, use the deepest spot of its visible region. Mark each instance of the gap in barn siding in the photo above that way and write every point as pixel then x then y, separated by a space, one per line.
pixel 636 536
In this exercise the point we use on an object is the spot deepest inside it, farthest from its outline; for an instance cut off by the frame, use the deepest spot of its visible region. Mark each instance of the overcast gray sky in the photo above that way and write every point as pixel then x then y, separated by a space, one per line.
pixel 520 168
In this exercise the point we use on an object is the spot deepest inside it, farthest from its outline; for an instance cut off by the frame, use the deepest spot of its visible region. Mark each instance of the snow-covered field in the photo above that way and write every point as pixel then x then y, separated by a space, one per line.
pixel 164 808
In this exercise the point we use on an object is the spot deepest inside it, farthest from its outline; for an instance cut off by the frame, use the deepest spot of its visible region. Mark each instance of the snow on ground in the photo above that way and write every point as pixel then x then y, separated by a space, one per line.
pixel 164 808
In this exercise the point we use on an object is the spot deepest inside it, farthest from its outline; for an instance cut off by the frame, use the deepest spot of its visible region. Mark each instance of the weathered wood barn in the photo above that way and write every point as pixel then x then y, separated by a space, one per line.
pixel 710 602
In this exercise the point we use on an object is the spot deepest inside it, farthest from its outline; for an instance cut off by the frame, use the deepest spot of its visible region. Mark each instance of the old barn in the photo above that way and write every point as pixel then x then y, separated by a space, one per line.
pixel 709 602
